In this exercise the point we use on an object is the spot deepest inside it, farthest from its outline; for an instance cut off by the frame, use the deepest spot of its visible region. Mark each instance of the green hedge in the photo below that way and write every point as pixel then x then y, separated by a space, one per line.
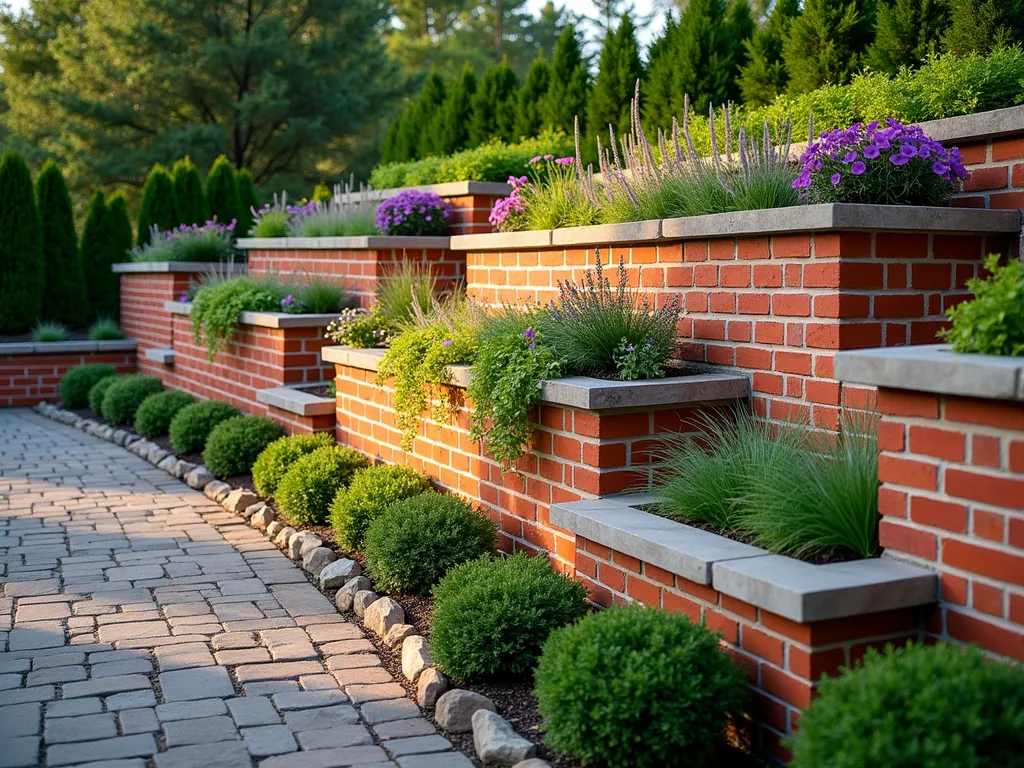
pixel 126 394
pixel 305 492
pixel 193 424
pixel 76 383
pixel 234 444
pixel 154 416
pixel 373 490
pixel 278 457
pixel 99 390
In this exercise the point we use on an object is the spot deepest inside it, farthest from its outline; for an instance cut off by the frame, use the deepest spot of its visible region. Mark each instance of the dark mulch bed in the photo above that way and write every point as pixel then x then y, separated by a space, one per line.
pixel 672 371
pixel 321 390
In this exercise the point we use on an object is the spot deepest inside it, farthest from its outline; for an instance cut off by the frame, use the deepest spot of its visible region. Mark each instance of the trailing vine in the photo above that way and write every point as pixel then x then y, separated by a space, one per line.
pixel 217 307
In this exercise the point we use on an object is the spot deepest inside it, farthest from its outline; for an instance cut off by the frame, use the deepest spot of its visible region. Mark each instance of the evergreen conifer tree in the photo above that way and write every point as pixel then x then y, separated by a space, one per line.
pixel 763 76
pixel 826 43
pixel 189 193
pixel 980 26
pixel 101 285
pixel 569 88
pixel 452 121
pixel 528 119
pixel 906 33
pixel 248 200
pixel 659 99
pixel 119 230
pixel 159 205
pixel 615 83
pixel 22 272
pixel 222 191
pixel 429 107
pixel 493 107
pixel 64 297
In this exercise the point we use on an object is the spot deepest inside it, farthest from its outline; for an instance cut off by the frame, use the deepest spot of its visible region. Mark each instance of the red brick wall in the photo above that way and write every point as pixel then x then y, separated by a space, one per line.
pixel 776 307
pixel 31 379
pixel 952 499
pixel 143 316
pixel 470 214
pixel 996 174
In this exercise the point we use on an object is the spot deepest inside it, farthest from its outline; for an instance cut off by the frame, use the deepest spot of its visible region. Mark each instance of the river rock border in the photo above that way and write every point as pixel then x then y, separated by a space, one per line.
pixel 455 710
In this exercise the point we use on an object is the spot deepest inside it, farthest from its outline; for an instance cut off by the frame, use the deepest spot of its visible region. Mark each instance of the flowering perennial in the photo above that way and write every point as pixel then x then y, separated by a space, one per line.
pixel 189 242
pixel 412 212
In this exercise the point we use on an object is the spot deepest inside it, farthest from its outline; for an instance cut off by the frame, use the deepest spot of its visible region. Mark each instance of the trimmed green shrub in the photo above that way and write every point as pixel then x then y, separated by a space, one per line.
pixel 248 201
pixel 192 425
pixel 638 687
pixel 21 247
pixel 98 391
pixel 305 492
pixel 76 383
pixel 234 444
pixel 222 191
pixel 372 490
pixel 916 707
pixel 106 240
pixel 119 228
pixel 189 193
pixel 159 207
pixel 154 416
pixel 491 617
pixel 125 395
pixel 415 542
pixel 277 458
pixel 64 296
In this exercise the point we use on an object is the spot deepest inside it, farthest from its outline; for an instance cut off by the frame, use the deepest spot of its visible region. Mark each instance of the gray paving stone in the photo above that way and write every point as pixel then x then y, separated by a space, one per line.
pixel 127 667
pixel 390 709
pixel 138 721
pixel 139 745
pixel 288 644
pixel 321 718
pixel 403 729
pixel 61 730
pixel 307 699
pixel 190 709
pixel 253 710
pixel 417 745
pixel 133 700
pixel 329 758
pixel 184 656
pixel 19 720
pixel 201 683
pixel 56 675
pixel 442 760
pixel 20 752
pixel 228 754
pixel 206 730
pixel 70 707
pixel 340 736
pixel 360 694
pixel 267 740
pixel 270 687
pixel 106 685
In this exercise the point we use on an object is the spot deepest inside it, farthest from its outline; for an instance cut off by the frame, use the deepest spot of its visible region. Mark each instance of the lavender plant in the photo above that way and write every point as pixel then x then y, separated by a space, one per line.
pixel 346 214
pixel 412 212
pixel 211 242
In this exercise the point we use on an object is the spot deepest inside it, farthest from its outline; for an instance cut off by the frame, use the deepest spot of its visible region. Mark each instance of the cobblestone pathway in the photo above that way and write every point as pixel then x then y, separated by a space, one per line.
pixel 141 624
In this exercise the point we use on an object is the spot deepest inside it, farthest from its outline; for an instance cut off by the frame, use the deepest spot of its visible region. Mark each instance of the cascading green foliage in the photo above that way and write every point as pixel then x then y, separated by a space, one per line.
pixel 22 271
pixel 188 190
pixel 248 201
pixel 159 207
pixel 64 296
pixel 222 191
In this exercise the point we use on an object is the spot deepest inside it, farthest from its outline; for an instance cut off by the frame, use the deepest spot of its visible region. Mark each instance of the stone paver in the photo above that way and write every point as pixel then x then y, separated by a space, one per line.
pixel 141 623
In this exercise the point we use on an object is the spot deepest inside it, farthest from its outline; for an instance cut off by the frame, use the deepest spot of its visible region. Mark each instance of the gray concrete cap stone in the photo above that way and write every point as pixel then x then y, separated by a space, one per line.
pixel 338 572
pixel 496 741
pixel 382 614
pixel 455 709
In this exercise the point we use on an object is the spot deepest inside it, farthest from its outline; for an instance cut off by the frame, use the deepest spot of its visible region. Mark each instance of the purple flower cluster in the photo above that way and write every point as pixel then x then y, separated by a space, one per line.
pixel 506 209
pixel 211 241
pixel 413 213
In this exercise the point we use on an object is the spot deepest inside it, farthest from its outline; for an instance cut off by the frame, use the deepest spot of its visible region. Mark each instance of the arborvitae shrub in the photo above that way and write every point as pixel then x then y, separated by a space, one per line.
pixel 192 425
pixel 233 445
pixel 491 617
pixel 305 492
pixel 638 688
pixel 248 201
pixel 277 458
pixel 102 285
pixel 159 205
pixel 154 416
pixel 189 193
pixel 21 247
pixel 415 542
pixel 125 395
pixel 98 391
pixel 76 383
pixel 64 293
pixel 372 490
pixel 222 191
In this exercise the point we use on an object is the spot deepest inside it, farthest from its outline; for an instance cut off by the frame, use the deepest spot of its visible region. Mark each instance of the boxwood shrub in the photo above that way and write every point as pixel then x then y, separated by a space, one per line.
pixel 916 707
pixel 373 490
pixel 491 617
pixel 277 457
pixel 637 687
pixel 234 444
pixel 98 391
pixel 76 383
pixel 415 542
pixel 305 492
pixel 154 416
pixel 193 424
pixel 126 394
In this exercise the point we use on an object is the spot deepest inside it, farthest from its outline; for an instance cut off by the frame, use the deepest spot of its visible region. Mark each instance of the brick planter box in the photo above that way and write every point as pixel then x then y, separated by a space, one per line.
pixel 773 294
pixel 471 202
pixel 31 373
pixel 361 261
pixel 593 437
pixel 952 472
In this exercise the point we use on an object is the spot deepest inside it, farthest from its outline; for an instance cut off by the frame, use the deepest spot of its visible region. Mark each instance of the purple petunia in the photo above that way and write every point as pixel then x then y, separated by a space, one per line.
pixel 940 168
pixel 871 151
pixel 836 178
pixel 412 212
pixel 184 297
pixel 850 157
pixel 858 168
pixel 908 150
pixel 899 159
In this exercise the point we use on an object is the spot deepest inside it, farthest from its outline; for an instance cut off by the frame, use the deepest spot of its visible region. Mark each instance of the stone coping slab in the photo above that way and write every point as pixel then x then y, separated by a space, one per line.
pixel 162 355
pixel 791 588
pixel 263 319
pixel 446 189
pixel 585 392
pixel 188 267
pixel 977 127
pixel 368 242
pixel 70 347
pixel 502 241
pixel 292 400
pixel 934 368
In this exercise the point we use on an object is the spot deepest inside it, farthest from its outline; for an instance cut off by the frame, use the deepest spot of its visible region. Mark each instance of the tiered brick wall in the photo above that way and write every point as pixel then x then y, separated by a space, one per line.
pixel 470 214
pixel 952 497
pixel 143 316
pixel 28 379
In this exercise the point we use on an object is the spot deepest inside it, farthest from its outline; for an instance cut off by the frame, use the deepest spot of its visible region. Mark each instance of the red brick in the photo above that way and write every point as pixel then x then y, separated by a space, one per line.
pixel 985 561
pixel 628 562
pixel 896 402
pixel 670 601
pixel 988 525
pixel 1017 456
pixel 716 622
pixel 902 538
pixel 939 514
pixel 654 573
pixel 987 599
pixel 644 591
pixel 791 305
pixel 793 362
pixel 901 471
pixel 953 589
pixel 986 178
pixel 788 688
pixel 940 443
pixel 998 491
pixel 969 629
pixel 611 577
pixel 1007 149
pixel 767 276
pixel 761 645
pixel 811 665
pixel 902 246
pixel 985 451
pixel 740 608
pixel 989 413
pixel 892 503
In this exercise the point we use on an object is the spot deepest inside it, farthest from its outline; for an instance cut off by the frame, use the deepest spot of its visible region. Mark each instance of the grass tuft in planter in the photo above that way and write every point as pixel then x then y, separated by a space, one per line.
pixel 414 543
pixel 99 390
pixel 278 457
pixel 192 425
pixel 491 617
pixel 76 383
pixel 234 444
pixel 154 416
pixel 126 394
pixel 305 492
pixel 372 490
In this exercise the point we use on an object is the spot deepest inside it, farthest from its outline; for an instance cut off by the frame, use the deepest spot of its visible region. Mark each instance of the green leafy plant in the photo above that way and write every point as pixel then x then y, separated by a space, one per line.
pixel 125 395
pixel 343 213
pixel 407 290
pixel 372 490
pixel 319 294
pixel 666 704
pixel 360 328
pixel 98 391
pixel 189 193
pixel 222 191
pixel 76 383
pixel 217 307
pixel 153 418
pixel 234 444
pixel 270 223
pixel 992 323
pixel 275 460
pixel 209 242
pixel 46 331
pixel 916 707
pixel 305 493
pixel 491 617
pixel 415 542
pixel 192 425
pixel 105 329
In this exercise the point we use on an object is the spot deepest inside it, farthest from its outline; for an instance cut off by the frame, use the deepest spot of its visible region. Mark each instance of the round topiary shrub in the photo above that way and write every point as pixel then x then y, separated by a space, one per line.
pixel 126 394
pixel 275 460
pixel 193 424
pixel 415 542
pixel 916 707
pixel 637 687
pixel 76 383
pixel 305 492
pixel 234 444
pixel 154 416
pixel 491 617
pixel 373 490
pixel 98 391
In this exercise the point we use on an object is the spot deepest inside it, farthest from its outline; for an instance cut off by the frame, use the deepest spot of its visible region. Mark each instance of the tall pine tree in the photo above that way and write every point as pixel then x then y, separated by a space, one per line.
pixel 159 205
pixel 907 32
pixel 248 201
pixel 22 272
pixel 980 26
pixel 64 297
pixel 615 83
pixel 569 90
pixel 101 284
pixel 493 107
pixel 826 43
pixel 452 121
pixel 222 191
pixel 119 230
pixel 428 107
pixel 528 118
pixel 188 191
pixel 763 76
